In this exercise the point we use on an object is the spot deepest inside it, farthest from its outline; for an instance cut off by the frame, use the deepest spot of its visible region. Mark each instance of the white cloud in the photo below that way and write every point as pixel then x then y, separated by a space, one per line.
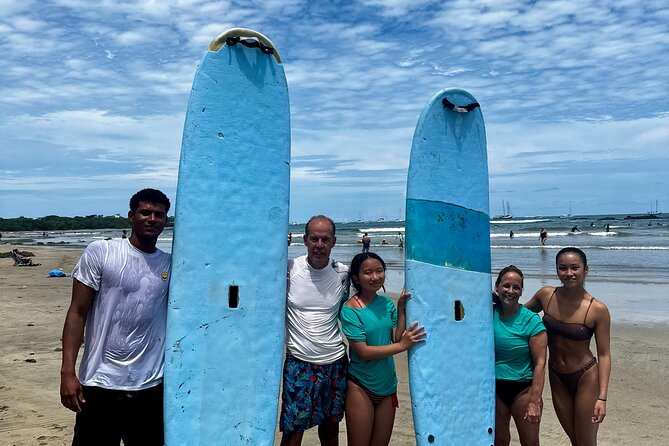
pixel 561 82
pixel 98 131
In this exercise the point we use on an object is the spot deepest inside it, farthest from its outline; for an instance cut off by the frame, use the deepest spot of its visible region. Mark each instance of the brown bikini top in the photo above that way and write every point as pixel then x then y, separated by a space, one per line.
pixel 569 330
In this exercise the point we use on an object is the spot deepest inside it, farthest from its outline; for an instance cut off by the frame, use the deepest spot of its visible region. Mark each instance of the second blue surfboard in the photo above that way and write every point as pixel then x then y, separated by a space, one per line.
pixel 447 270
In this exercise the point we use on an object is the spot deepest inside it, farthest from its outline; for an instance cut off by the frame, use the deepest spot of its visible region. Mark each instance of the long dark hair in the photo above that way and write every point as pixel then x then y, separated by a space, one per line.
pixel 576 251
pixel 356 263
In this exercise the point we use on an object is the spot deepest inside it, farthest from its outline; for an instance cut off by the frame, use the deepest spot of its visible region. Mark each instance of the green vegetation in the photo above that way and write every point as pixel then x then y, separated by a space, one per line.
pixel 56 223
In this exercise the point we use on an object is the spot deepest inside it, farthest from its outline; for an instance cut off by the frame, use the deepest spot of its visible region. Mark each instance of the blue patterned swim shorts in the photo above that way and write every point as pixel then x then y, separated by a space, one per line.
pixel 312 393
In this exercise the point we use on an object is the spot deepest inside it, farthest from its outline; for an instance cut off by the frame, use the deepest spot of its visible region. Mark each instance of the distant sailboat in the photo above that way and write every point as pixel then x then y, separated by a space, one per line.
pixel 566 215
pixel 656 211
pixel 506 211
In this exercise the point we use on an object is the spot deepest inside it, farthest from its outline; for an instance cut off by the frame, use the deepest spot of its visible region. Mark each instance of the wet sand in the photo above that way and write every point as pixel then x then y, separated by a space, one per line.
pixel 32 311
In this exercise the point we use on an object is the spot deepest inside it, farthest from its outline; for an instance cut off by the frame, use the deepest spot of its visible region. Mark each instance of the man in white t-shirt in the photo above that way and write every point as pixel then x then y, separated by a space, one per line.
pixel 314 373
pixel 119 296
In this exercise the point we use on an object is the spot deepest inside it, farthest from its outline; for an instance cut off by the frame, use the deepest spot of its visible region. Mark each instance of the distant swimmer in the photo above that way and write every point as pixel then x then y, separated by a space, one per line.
pixel 401 240
pixel 543 235
pixel 366 241
pixel 592 223
pixel 384 242
pixel 608 227
pixel 511 234
pixel 125 234
pixel 575 229
pixel 290 238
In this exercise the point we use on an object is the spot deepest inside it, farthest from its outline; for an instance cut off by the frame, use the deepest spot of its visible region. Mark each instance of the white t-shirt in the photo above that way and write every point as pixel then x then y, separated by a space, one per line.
pixel 313 301
pixel 125 328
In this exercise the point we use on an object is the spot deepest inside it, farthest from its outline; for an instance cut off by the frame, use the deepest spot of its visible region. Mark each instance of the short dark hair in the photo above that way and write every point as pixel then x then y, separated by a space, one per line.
pixel 356 263
pixel 576 251
pixel 317 217
pixel 149 196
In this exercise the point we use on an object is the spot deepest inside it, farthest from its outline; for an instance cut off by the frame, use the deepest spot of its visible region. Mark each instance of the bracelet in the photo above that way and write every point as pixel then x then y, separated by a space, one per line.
pixel 601 399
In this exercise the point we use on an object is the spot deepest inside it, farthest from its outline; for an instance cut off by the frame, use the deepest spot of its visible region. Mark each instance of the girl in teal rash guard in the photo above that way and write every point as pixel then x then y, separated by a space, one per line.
pixel 375 331
pixel 520 359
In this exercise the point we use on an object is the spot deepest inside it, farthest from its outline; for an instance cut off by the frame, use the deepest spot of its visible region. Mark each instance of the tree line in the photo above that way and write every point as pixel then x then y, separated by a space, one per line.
pixel 57 223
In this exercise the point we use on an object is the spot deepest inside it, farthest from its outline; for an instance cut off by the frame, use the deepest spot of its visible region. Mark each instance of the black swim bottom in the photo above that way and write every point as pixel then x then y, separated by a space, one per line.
pixel 109 416
pixel 508 391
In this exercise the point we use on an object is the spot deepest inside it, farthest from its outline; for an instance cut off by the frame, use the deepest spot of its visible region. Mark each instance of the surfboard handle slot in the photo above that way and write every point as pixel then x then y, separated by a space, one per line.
pixel 233 296
pixel 458 108
pixel 458 310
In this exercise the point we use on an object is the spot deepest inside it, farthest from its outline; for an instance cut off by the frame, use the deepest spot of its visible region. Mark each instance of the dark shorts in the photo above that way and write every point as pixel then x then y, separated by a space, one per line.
pixel 109 416
pixel 312 393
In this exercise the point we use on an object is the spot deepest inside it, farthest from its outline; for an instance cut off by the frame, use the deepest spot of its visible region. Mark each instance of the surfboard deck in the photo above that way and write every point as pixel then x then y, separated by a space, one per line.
pixel 447 271
pixel 226 306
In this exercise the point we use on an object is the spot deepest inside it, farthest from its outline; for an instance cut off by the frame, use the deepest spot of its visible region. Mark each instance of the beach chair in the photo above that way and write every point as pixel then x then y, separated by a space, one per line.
pixel 20 260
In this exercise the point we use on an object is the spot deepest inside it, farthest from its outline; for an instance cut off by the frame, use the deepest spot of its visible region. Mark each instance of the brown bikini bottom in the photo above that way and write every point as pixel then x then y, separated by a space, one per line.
pixel 571 380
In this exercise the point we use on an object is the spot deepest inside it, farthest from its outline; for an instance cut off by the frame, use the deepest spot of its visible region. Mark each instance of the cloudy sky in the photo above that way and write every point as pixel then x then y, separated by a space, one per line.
pixel 575 96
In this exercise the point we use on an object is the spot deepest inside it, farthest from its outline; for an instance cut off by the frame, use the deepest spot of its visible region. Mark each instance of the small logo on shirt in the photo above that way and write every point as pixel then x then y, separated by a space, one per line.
pixel 164 275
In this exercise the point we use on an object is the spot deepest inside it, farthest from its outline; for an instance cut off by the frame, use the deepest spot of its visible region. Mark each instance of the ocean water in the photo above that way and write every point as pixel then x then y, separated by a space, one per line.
pixel 629 264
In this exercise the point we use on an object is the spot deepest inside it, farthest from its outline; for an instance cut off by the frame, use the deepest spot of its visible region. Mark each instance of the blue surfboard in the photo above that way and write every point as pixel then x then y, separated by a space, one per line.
pixel 225 324
pixel 447 270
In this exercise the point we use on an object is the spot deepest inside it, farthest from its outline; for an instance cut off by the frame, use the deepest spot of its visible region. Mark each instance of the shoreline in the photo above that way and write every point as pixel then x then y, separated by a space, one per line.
pixel 33 309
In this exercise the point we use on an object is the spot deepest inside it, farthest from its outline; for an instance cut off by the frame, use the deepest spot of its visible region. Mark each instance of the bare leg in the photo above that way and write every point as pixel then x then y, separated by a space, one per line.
pixel 502 421
pixel 564 407
pixel 328 433
pixel 384 418
pixel 359 416
pixel 527 432
pixel 292 439
pixel 586 395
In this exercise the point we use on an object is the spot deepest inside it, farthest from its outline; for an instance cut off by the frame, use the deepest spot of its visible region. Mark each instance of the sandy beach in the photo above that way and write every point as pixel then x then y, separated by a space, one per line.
pixel 32 308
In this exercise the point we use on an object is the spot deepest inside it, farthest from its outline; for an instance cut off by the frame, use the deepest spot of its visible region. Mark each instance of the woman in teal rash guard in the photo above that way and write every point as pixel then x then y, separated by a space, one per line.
pixel 376 331
pixel 520 360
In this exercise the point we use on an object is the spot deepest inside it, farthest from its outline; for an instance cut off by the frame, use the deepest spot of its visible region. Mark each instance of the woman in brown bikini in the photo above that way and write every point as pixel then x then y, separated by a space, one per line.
pixel 579 381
